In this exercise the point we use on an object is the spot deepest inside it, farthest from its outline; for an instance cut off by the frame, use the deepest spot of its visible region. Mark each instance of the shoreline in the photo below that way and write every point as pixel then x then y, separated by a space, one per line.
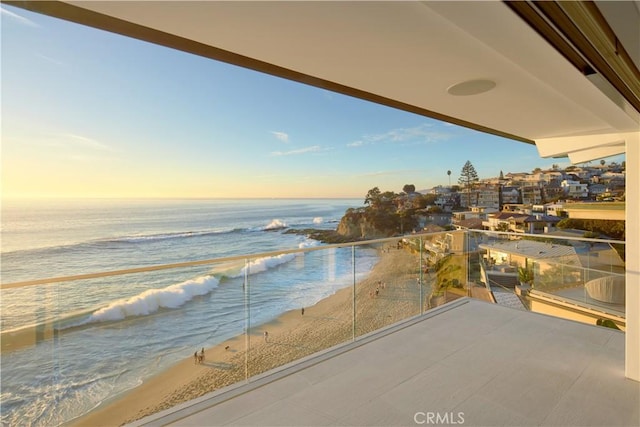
pixel 292 335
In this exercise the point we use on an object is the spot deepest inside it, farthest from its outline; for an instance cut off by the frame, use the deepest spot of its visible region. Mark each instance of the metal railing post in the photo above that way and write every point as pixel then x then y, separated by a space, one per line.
pixel 247 311
pixel 353 264
pixel 421 276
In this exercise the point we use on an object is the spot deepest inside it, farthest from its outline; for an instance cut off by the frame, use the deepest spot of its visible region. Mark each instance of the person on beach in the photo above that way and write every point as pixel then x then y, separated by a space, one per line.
pixel 266 336
pixel 195 357
pixel 202 354
pixel 302 311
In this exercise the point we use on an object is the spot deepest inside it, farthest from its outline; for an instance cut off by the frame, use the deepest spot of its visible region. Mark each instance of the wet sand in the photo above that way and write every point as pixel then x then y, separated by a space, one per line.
pixel 291 336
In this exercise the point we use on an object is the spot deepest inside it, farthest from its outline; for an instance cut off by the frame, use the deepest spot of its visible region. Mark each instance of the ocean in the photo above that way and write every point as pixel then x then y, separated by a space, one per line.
pixel 111 333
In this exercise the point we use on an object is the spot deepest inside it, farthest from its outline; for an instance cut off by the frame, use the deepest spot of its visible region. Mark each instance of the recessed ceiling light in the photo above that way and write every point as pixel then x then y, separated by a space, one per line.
pixel 471 87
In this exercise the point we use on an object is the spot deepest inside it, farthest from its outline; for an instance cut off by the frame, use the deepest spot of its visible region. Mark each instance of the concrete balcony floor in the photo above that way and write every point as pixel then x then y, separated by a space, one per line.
pixel 468 362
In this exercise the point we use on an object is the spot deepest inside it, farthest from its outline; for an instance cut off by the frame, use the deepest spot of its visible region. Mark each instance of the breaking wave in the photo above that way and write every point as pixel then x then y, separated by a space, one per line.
pixel 263 264
pixel 275 224
pixel 174 296
pixel 152 300
pixel 167 236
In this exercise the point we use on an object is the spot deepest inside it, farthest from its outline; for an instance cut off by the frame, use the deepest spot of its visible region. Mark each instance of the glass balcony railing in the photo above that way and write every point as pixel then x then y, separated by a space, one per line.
pixel 69 344
pixel 571 277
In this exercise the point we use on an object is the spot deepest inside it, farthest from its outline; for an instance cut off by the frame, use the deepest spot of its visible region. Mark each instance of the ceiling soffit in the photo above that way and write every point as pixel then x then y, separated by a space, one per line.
pixel 581 33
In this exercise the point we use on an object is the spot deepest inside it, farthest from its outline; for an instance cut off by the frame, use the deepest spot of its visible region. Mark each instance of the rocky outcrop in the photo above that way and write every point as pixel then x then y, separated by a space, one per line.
pixel 356 226
pixel 324 236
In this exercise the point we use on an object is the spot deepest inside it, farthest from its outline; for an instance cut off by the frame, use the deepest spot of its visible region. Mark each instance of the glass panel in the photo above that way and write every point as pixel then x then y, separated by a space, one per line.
pixel 64 350
pixel 69 352
pixel 303 306
pixel 388 291
pixel 447 267
pixel 592 281
pixel 564 276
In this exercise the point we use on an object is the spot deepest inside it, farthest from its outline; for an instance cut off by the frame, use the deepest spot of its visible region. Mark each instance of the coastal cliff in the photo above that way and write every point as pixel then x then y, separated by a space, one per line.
pixel 385 214
pixel 355 224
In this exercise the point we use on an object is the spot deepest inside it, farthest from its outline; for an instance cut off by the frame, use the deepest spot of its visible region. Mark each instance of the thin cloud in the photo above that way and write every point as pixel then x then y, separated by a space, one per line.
pixel 390 172
pixel 18 18
pixel 312 149
pixel 83 141
pixel 49 59
pixel 422 134
pixel 284 137
pixel 379 173
pixel 65 147
pixel 327 94
pixel 61 141
pixel 269 176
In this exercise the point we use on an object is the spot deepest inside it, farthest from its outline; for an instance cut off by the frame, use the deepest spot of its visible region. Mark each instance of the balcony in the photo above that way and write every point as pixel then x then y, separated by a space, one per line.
pixel 467 362
pixel 386 334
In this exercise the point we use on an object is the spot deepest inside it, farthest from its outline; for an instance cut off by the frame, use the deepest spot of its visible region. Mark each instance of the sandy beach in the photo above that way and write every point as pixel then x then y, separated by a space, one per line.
pixel 291 336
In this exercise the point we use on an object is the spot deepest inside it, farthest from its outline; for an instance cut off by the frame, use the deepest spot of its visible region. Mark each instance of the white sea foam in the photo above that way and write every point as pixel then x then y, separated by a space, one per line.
pixel 151 300
pixel 141 238
pixel 309 243
pixel 275 225
pixel 318 220
pixel 263 264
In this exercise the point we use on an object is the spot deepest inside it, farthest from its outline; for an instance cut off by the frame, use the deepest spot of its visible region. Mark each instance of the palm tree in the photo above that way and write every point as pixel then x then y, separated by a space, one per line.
pixel 449 173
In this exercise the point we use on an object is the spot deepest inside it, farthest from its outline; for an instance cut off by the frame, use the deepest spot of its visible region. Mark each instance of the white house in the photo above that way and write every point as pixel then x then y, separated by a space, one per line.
pixel 574 189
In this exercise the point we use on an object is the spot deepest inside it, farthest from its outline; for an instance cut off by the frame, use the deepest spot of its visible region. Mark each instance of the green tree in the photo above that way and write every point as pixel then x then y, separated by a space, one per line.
pixel 614 229
pixel 409 188
pixel 424 200
pixel 387 200
pixel 373 197
pixel 468 179
pixel 503 226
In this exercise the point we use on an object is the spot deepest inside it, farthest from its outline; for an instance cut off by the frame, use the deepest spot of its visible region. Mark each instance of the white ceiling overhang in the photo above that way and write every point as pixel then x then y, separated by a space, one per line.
pixel 405 54
pixel 585 148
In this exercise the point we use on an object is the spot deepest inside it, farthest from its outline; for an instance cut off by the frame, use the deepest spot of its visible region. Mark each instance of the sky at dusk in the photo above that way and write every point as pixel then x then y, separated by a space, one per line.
pixel 86 113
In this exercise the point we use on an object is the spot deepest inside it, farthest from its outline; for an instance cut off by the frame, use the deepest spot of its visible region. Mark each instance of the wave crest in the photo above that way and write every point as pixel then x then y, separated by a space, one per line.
pixel 263 264
pixel 177 295
pixel 152 300
pixel 167 236
pixel 309 243
pixel 275 224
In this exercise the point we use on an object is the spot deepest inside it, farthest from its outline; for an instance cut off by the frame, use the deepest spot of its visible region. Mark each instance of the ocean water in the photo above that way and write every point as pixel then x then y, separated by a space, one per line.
pixel 106 335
